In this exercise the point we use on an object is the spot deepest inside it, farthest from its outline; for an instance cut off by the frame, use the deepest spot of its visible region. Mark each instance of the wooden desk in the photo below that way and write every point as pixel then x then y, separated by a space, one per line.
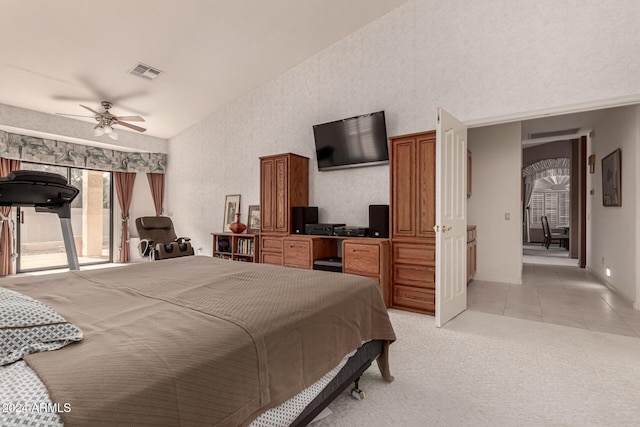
pixel 362 256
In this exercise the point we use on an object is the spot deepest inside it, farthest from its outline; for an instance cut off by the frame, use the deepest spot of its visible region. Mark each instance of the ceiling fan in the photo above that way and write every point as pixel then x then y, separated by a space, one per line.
pixel 106 121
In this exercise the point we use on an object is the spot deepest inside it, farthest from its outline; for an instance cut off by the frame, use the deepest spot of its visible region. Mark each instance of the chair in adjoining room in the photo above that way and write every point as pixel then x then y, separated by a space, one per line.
pixel 158 240
pixel 561 238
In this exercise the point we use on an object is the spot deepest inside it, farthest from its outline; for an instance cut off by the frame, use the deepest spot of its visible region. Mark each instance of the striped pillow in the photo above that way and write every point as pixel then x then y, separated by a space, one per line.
pixel 29 326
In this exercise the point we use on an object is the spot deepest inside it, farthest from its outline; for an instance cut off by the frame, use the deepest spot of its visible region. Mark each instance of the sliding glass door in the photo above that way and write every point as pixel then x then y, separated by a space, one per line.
pixel 39 236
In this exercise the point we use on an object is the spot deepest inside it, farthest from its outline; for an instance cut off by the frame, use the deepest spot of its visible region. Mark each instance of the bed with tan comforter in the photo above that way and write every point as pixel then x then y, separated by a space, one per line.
pixel 198 340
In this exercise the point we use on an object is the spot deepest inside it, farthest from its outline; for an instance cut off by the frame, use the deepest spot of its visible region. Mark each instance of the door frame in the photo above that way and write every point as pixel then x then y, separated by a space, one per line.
pixel 18 222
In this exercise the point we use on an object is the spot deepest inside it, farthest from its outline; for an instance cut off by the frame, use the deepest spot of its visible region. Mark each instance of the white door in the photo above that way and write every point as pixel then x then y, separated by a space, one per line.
pixel 451 217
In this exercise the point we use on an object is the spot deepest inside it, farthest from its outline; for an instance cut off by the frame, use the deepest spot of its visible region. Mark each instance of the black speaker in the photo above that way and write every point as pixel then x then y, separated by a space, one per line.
pixel 379 221
pixel 301 216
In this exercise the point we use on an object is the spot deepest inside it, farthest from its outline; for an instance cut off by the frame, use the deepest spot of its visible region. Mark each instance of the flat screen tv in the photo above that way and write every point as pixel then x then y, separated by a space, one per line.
pixel 353 142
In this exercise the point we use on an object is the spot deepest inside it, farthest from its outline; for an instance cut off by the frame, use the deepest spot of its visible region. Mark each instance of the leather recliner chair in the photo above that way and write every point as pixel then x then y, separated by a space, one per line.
pixel 158 240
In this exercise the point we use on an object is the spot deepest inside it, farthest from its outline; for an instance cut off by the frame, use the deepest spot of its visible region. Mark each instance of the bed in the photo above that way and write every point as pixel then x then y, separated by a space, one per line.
pixel 203 341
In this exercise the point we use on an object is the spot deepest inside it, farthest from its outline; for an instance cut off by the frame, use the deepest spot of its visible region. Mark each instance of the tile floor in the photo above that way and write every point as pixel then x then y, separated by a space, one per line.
pixel 559 294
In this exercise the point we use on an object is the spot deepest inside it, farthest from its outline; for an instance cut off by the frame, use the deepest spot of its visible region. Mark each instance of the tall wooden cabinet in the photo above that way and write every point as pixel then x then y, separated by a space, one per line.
pixel 412 217
pixel 284 183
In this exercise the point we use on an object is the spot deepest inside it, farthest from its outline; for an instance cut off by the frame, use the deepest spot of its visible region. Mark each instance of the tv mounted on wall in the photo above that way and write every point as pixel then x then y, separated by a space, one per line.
pixel 353 142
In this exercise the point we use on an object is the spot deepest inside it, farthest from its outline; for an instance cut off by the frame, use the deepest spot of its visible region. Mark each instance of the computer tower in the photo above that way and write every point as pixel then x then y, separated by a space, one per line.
pixel 301 216
pixel 379 221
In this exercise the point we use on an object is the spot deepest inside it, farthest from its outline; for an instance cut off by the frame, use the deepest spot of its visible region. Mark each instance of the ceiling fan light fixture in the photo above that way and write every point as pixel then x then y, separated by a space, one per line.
pixel 106 120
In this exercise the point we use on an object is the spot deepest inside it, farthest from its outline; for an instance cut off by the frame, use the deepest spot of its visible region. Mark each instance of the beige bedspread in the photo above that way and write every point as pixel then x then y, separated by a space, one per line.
pixel 197 340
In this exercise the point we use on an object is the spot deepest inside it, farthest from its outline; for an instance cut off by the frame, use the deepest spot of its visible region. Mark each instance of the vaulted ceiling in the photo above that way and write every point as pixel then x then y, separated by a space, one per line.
pixel 59 54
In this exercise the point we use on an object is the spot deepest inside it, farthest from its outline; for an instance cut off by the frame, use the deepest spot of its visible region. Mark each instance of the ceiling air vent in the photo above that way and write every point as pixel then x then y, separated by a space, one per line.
pixel 554 134
pixel 145 72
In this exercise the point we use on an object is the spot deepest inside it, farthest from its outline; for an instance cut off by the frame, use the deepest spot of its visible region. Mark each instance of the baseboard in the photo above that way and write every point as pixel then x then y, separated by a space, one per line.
pixel 498 279
pixel 605 282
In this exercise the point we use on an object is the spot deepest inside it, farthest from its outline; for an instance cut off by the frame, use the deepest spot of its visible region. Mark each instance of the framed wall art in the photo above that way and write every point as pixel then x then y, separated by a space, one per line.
pixel 611 182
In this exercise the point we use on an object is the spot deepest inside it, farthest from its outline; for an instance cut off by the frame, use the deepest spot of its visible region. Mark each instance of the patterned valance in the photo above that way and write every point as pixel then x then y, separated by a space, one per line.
pixel 40 150
pixel 546 168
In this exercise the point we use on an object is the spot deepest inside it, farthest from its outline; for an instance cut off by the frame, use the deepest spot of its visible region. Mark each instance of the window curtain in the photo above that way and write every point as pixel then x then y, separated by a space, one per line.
pixel 124 190
pixel 6 242
pixel 156 183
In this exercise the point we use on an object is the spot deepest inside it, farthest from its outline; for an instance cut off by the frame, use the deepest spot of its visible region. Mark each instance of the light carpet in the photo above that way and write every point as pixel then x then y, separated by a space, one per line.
pixel 488 370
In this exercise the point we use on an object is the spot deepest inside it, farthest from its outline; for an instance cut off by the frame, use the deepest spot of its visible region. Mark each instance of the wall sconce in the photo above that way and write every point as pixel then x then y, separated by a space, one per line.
pixel 592 163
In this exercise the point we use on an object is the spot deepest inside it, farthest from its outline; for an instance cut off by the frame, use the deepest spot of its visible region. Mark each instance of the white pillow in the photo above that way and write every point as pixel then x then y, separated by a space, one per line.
pixel 29 326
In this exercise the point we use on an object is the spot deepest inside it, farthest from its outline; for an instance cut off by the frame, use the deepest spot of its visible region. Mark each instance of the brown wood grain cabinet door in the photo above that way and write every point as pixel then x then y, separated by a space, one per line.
pixel 403 170
pixel 426 188
pixel 361 259
pixel 281 194
pixel 271 244
pixel 297 253
pixel 415 254
pixel 415 299
pixel 267 201
pixel 269 258
pixel 298 181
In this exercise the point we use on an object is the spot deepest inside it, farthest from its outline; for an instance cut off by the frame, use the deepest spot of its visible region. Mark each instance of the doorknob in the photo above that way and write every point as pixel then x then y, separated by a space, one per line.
pixel 436 228
pixel 445 229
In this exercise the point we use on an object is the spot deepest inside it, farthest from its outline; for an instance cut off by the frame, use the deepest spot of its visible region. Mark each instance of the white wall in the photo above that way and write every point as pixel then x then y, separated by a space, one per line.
pixel 496 171
pixel 481 59
pixel 612 228
pixel 636 304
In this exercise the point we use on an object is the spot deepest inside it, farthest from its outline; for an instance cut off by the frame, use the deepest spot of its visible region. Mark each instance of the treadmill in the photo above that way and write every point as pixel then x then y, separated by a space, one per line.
pixel 47 192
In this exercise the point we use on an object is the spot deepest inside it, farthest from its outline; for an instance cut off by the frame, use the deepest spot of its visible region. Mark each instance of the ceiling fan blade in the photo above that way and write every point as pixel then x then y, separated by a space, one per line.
pixel 73 115
pixel 129 125
pixel 91 109
pixel 130 118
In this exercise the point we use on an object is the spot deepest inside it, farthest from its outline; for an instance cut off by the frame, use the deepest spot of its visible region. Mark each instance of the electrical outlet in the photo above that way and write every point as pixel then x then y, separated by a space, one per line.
pixel 507 216
pixel 199 251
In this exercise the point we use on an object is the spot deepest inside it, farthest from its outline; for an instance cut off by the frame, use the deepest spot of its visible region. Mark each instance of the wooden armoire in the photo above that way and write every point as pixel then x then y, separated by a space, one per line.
pixel 284 183
pixel 412 218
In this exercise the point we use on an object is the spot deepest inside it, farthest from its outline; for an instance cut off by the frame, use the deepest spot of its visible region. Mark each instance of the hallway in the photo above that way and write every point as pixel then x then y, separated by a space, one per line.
pixel 558 294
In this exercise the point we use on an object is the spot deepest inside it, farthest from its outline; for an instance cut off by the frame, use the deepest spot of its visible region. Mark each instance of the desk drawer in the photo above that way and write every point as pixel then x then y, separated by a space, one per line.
pixel 272 244
pixel 423 300
pixel 270 258
pixel 424 277
pixel 361 259
pixel 414 254
pixel 297 253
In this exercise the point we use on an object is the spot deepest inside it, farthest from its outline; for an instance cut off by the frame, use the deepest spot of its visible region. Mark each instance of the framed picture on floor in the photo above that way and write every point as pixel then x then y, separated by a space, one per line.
pixel 611 182
pixel 231 208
